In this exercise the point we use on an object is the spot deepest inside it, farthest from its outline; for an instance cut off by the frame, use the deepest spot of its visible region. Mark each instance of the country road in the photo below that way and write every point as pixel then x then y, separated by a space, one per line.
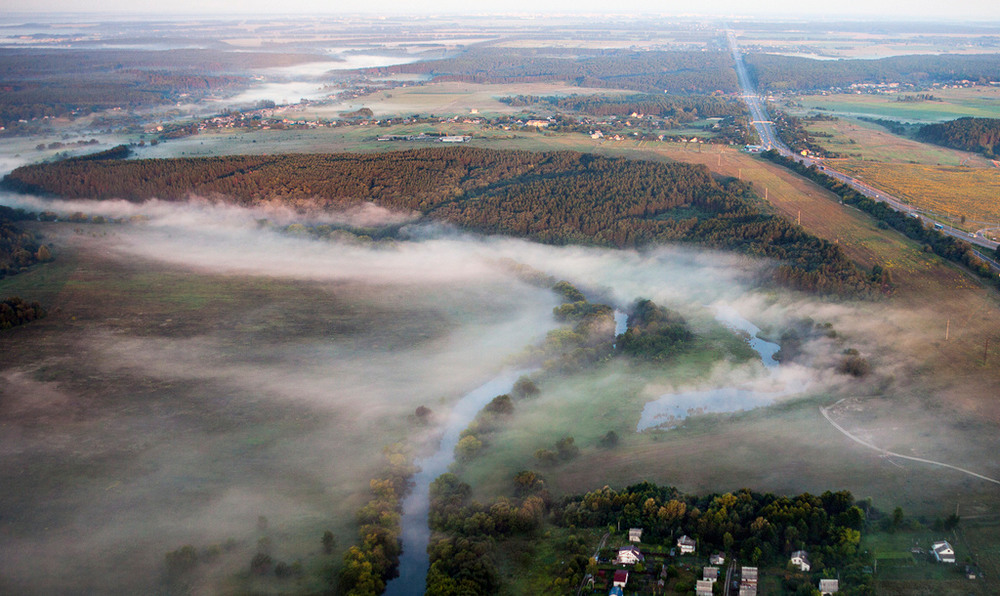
pixel 597 551
pixel 826 414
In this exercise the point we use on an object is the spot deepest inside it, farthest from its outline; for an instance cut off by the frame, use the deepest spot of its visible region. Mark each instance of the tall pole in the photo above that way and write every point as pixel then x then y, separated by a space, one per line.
pixel 947 330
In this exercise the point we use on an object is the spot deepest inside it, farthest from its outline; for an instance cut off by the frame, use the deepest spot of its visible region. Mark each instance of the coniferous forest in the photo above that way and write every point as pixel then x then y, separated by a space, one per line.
pixel 555 197
pixel 969 134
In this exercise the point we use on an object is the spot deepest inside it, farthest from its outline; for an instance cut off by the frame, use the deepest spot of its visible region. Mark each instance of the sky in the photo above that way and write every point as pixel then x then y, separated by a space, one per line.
pixel 960 10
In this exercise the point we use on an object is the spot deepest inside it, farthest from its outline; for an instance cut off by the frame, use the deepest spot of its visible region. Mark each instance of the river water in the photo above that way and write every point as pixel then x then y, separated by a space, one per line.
pixel 671 408
pixel 414 560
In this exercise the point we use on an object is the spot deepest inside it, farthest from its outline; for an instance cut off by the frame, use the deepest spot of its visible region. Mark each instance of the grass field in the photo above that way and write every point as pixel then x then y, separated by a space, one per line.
pixel 867 45
pixel 451 98
pixel 982 102
pixel 857 140
pixel 197 401
pixel 951 191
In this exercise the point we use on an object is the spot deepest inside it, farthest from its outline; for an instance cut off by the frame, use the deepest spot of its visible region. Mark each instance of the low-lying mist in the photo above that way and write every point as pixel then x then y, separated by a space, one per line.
pixel 207 364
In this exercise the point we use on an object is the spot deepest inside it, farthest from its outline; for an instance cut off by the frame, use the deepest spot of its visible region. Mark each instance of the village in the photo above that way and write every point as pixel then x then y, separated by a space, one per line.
pixel 635 568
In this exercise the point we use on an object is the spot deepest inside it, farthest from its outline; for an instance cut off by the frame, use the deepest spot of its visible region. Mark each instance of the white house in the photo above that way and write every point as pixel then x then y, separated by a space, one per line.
pixel 629 555
pixel 710 573
pixel 703 588
pixel 635 534
pixel 829 586
pixel 943 552
pixel 717 559
pixel 800 559
pixel 686 544
pixel 620 578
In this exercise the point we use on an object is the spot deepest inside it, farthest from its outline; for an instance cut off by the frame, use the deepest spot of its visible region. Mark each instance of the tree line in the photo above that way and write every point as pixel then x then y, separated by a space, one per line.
pixel 681 71
pixel 559 197
pixel 58 83
pixel 679 108
pixel 14 311
pixel 19 248
pixel 369 565
pixel 771 72
pixel 981 135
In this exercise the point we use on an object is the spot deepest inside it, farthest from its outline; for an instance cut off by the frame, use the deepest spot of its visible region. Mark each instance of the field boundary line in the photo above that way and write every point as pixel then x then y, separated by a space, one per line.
pixel 826 415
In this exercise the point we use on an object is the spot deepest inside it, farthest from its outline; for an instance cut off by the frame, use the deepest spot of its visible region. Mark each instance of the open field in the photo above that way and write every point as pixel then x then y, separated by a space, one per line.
pixel 951 191
pixel 854 139
pixel 161 405
pixel 831 44
pixel 450 98
pixel 981 102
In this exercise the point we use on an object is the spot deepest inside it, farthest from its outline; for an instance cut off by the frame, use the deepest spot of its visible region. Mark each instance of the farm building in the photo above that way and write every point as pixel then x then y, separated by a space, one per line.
pixel 943 552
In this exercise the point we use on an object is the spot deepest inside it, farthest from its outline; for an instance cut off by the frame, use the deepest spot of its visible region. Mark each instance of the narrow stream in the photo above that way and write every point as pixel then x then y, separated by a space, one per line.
pixel 414 560
pixel 671 408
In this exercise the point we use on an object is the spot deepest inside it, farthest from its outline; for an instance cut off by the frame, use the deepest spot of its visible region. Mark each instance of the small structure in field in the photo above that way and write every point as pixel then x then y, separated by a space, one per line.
pixel 829 586
pixel 635 534
pixel 943 552
pixel 717 559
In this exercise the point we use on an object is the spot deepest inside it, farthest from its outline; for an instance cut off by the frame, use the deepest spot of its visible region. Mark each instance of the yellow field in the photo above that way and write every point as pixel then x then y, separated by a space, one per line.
pixel 947 190
pixel 870 142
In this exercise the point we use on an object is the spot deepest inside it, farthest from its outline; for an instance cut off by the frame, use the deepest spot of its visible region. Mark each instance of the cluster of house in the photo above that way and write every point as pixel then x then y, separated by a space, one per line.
pixel 630 555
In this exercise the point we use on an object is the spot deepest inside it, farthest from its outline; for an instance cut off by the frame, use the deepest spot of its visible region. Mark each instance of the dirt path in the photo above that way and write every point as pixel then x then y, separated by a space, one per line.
pixel 890 453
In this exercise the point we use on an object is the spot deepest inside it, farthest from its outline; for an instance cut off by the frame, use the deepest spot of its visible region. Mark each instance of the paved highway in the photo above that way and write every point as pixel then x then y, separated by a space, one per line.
pixel 769 140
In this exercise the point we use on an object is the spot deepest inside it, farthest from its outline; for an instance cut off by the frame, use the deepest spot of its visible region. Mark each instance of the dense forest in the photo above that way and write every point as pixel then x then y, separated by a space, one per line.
pixel 969 134
pixel 772 72
pixel 18 248
pixel 646 71
pixel 554 197
pixel 679 108
pixel 35 83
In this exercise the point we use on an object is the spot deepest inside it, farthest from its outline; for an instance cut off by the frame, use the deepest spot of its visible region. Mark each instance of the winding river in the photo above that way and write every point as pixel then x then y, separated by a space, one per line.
pixel 414 560
pixel 671 408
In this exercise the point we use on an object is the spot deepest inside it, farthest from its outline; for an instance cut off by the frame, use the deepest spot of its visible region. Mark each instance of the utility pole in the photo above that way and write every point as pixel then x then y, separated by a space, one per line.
pixel 739 175
pixel 798 220
pixel 947 330
pixel 765 193
pixel 986 351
